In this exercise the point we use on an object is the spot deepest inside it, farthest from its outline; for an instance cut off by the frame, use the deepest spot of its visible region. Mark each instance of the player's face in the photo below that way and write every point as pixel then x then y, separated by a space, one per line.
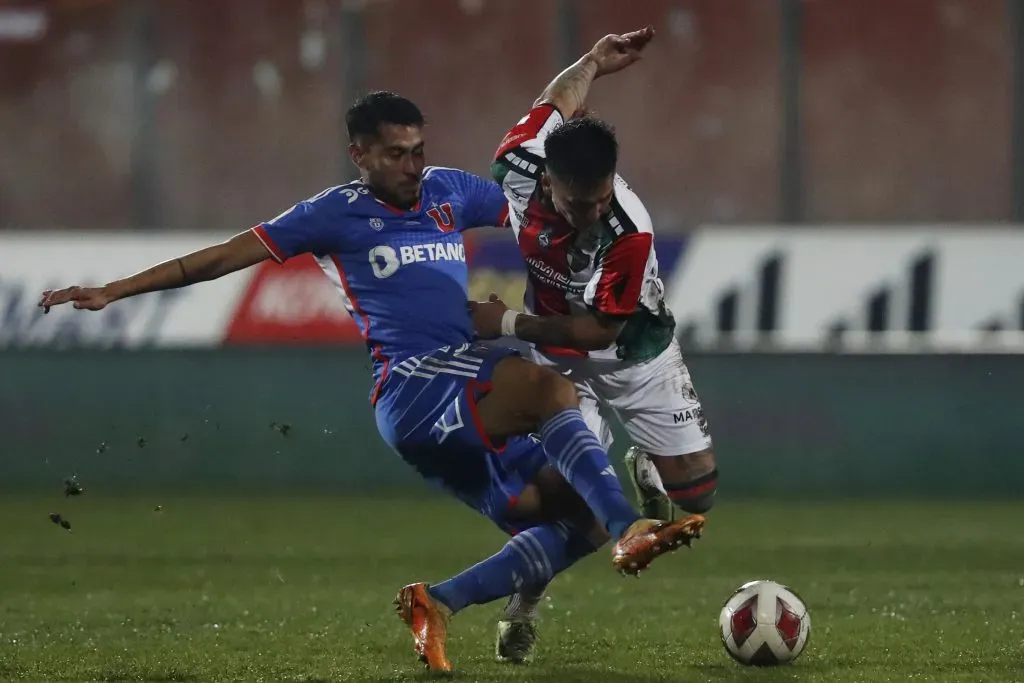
pixel 580 205
pixel 392 164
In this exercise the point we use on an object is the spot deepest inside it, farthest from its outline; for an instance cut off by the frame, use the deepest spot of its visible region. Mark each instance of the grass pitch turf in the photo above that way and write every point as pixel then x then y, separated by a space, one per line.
pixel 289 589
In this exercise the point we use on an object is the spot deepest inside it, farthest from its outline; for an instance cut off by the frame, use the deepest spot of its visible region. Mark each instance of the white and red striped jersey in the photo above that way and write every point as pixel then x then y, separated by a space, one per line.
pixel 610 268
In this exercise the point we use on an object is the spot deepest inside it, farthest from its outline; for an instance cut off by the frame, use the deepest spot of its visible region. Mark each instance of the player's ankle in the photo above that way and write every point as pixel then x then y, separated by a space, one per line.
pixel 523 605
pixel 446 609
pixel 617 528
pixel 556 395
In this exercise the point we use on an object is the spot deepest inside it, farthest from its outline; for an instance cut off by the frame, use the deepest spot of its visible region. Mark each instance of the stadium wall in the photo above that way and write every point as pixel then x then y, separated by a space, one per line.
pixel 888 91
pixel 807 425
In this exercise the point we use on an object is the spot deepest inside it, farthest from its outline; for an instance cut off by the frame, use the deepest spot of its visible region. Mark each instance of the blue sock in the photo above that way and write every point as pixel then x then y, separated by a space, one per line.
pixel 532 557
pixel 583 461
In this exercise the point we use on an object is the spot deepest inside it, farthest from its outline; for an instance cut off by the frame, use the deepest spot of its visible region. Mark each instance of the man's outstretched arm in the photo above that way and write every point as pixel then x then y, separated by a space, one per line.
pixel 239 252
pixel 568 91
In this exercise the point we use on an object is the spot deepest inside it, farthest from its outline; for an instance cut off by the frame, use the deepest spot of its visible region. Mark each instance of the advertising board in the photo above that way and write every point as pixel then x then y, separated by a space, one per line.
pixel 925 288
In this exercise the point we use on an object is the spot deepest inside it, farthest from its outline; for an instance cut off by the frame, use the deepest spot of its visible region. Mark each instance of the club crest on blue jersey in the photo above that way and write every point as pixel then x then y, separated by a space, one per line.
pixel 443 216
pixel 402 274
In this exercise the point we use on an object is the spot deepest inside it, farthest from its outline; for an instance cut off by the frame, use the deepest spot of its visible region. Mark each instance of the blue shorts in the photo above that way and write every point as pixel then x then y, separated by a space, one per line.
pixel 427 414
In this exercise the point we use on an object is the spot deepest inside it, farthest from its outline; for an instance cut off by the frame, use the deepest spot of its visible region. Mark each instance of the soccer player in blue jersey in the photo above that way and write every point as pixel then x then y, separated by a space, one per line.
pixel 457 411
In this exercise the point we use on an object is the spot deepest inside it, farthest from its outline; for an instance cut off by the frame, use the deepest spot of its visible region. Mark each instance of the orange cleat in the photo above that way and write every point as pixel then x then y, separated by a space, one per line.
pixel 647 539
pixel 428 621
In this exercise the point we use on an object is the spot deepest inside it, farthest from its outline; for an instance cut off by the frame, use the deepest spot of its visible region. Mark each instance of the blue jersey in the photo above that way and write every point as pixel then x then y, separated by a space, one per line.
pixel 401 274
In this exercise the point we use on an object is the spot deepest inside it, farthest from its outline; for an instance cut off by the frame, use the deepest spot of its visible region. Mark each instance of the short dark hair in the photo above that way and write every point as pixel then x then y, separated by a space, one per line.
pixel 365 117
pixel 582 150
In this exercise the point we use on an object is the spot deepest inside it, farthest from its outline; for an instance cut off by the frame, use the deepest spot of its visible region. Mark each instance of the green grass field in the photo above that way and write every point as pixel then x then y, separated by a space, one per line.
pixel 271 589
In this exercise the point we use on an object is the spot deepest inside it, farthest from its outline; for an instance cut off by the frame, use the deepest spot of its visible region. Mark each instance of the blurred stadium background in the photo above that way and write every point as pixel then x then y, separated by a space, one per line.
pixel 834 186
pixel 837 188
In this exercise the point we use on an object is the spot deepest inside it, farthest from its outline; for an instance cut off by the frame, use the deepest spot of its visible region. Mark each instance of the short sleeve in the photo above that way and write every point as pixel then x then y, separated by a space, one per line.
pixel 619 278
pixel 485 203
pixel 530 131
pixel 519 159
pixel 298 230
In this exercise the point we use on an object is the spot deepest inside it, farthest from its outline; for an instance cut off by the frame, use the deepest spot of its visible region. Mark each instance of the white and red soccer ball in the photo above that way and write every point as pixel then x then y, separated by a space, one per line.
pixel 764 624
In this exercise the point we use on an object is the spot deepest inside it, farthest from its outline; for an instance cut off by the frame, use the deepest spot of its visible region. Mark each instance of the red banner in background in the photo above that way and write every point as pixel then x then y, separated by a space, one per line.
pixel 293 303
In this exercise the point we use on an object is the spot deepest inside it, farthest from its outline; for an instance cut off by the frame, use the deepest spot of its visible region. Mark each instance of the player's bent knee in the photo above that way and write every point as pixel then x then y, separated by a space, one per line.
pixel 531 390
pixel 695 484
pixel 558 392
pixel 550 393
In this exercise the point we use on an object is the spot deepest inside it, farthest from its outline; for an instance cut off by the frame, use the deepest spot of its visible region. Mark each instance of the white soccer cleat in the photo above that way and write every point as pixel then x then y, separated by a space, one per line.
pixel 515 641
pixel 654 502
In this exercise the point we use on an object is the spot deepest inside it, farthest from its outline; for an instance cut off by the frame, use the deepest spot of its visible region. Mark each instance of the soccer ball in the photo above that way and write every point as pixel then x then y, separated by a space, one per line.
pixel 764 624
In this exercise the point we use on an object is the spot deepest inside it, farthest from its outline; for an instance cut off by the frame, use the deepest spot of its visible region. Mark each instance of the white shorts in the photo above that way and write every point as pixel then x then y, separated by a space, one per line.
pixel 654 400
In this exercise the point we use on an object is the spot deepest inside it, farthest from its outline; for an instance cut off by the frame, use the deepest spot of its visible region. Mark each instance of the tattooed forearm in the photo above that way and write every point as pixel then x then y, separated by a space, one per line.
pixel 569 90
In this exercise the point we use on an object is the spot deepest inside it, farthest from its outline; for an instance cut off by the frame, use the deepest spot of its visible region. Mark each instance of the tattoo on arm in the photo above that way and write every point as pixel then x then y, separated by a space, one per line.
pixel 569 90
pixel 241 251
pixel 184 273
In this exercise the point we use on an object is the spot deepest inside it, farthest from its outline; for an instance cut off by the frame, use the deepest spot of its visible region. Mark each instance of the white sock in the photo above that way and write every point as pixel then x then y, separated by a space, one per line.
pixel 523 605
pixel 647 474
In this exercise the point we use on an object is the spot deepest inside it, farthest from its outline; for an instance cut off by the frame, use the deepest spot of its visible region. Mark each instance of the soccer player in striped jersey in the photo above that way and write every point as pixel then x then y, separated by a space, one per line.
pixel 595 306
